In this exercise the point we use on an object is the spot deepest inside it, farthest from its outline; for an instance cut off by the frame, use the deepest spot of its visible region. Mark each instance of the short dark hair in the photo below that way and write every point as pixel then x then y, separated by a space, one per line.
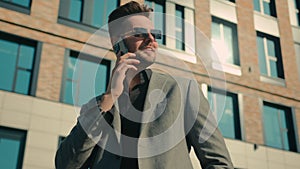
pixel 130 8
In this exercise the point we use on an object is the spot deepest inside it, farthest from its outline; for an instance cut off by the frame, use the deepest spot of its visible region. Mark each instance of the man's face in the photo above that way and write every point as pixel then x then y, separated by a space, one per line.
pixel 139 37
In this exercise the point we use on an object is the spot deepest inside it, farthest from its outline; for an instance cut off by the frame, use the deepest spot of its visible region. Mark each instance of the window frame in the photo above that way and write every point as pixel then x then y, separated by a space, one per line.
pixel 289 115
pixel 36 61
pixel 214 92
pixel 277 58
pixel 86 14
pixel 86 57
pixel 181 30
pixel 235 51
pixel 16 7
pixel 17 134
pixel 163 3
pixel 188 54
pixel 272 5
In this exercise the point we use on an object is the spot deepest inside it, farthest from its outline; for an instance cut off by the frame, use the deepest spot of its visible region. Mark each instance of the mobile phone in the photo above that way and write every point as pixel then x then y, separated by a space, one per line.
pixel 120 46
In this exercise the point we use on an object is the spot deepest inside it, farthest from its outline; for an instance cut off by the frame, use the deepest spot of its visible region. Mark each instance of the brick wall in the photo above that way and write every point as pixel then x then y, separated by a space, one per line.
pixel 50 72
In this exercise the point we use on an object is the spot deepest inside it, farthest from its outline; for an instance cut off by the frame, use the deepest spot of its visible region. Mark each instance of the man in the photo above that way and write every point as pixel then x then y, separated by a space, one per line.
pixel 145 119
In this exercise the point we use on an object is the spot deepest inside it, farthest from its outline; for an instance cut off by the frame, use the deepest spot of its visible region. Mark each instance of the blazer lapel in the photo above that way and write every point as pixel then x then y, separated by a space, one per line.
pixel 155 100
pixel 116 123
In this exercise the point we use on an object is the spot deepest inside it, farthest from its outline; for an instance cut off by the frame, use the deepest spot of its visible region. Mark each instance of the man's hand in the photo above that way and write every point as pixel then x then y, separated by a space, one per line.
pixel 115 88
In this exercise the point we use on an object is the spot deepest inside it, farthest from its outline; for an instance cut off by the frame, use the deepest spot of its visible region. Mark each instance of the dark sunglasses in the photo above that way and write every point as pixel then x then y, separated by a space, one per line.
pixel 143 33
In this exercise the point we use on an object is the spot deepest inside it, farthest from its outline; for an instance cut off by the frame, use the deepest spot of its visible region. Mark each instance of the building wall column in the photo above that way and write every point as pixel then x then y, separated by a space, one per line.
pixel 247 41
pixel 287 46
pixel 50 72
pixel 253 120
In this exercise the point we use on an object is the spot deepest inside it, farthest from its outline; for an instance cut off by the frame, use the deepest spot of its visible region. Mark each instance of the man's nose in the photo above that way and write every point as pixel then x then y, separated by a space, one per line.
pixel 151 37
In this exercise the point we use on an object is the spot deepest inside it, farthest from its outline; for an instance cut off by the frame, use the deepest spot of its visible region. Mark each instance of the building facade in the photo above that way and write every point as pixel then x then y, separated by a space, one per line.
pixel 258 48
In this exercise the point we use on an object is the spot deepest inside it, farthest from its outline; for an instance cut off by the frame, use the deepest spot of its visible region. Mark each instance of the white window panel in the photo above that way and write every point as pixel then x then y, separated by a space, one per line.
pixel 185 3
pixel 296 34
pixel 224 10
pixel 260 22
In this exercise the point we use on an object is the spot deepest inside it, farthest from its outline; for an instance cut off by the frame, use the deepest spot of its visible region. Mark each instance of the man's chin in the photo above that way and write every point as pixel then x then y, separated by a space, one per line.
pixel 144 64
pixel 146 57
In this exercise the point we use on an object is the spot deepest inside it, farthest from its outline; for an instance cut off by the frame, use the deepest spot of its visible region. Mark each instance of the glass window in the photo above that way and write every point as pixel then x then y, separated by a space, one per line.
pixel 23 3
pixel 179 27
pixel 17 60
pixel 12 143
pixel 224 37
pixel 266 7
pixel 159 18
pixel 84 78
pixel 269 54
pixel 225 107
pixel 76 8
pixel 17 5
pixel 278 127
pixel 93 13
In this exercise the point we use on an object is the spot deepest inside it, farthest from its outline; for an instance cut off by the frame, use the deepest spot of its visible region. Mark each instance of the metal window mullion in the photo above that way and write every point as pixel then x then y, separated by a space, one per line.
pixel 24 69
pixel 261 4
pixel 104 12
pixel 183 29
pixel 79 79
pixel 222 36
pixel 75 100
pixel 86 13
pixel 272 58
pixel 35 68
pixel 16 68
pixel 266 56
pixel 72 80
pixel 281 129
pixel 178 29
pixel 222 33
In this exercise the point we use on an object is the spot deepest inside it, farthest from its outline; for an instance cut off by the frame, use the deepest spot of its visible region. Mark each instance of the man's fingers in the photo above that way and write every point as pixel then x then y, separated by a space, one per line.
pixel 122 68
pixel 128 55
pixel 129 61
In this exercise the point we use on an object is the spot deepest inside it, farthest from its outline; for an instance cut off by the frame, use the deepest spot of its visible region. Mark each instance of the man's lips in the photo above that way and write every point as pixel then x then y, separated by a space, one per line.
pixel 149 48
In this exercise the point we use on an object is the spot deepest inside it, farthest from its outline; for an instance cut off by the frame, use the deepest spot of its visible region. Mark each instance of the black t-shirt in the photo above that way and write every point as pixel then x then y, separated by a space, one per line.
pixel 130 126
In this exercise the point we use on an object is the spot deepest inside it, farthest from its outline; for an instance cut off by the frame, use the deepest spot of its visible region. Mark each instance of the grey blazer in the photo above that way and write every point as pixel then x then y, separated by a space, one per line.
pixel 177 117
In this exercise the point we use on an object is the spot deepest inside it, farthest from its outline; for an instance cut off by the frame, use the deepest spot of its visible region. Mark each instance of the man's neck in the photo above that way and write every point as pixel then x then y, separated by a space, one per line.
pixel 135 81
